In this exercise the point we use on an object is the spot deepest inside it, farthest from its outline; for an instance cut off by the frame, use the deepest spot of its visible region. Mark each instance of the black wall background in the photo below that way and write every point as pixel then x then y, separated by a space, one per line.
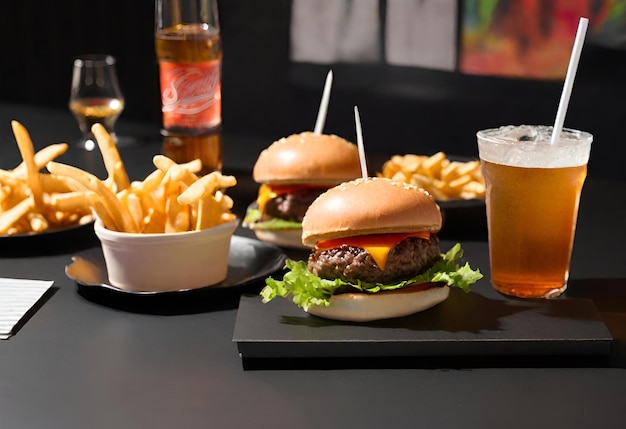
pixel 403 109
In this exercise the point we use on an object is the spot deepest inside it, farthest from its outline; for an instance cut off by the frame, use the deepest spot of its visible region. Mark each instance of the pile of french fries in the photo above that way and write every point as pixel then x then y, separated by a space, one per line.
pixel 32 201
pixel 442 178
pixel 173 198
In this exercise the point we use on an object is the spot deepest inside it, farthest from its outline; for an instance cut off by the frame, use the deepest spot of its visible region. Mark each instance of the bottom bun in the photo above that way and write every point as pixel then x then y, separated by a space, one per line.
pixel 361 307
pixel 281 237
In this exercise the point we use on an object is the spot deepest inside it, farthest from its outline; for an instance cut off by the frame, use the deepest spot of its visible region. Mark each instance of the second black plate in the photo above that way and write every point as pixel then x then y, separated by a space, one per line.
pixel 55 241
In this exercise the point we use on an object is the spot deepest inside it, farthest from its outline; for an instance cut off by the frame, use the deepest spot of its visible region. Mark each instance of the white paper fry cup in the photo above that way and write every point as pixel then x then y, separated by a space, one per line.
pixel 166 261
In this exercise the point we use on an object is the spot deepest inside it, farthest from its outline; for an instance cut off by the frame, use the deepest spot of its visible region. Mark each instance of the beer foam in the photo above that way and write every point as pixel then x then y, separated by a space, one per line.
pixel 530 146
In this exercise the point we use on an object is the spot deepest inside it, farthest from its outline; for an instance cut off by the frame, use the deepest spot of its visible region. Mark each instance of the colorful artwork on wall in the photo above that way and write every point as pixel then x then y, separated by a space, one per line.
pixel 530 38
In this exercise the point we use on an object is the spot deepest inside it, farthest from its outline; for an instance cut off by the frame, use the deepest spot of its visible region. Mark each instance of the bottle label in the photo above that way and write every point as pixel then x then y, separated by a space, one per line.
pixel 191 95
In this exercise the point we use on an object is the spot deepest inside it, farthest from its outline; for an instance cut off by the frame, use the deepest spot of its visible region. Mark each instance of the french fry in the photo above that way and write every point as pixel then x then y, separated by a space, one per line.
pixel 206 186
pixel 209 213
pixel 27 151
pixel 459 182
pixel 53 184
pixel 118 177
pixel 96 202
pixel 42 157
pixel 201 188
pixel 75 201
pixel 177 215
pixel 164 163
pixel 133 202
pixel 150 183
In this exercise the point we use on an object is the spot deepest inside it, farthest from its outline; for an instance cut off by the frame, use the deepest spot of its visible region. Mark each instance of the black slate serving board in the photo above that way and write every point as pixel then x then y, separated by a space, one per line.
pixel 467 330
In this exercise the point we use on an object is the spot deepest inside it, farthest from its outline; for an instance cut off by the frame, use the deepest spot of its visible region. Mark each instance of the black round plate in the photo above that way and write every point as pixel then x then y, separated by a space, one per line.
pixel 250 261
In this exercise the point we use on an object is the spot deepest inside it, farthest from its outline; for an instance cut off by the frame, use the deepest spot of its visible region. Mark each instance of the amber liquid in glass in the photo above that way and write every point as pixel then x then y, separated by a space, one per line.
pixel 89 111
pixel 532 235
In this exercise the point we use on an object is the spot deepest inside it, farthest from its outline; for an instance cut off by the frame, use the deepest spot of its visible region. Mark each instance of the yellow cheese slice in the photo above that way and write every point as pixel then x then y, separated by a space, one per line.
pixel 265 194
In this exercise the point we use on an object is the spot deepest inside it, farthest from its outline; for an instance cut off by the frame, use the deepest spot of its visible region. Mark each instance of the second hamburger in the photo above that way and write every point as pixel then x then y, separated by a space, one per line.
pixel 292 173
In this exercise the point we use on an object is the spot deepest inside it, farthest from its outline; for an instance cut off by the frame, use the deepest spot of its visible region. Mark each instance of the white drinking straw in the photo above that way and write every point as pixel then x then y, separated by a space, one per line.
pixel 321 114
pixel 569 79
pixel 359 141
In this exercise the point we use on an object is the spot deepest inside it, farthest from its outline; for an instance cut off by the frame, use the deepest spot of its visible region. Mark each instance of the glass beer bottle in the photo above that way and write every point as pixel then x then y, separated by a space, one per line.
pixel 189 51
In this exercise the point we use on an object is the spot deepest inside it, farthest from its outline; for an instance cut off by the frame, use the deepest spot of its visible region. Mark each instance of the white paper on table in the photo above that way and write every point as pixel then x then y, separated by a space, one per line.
pixel 17 296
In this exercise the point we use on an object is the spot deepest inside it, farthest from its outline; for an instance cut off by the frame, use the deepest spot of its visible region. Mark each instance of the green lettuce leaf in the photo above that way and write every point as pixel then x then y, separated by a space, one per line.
pixel 308 289
pixel 253 220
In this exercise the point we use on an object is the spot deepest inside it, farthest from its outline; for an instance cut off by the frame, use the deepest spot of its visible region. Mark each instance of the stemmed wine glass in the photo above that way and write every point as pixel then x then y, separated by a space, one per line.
pixel 95 95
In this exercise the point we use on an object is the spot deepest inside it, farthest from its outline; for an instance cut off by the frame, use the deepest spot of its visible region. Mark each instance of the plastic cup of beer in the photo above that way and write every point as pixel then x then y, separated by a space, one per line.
pixel 533 192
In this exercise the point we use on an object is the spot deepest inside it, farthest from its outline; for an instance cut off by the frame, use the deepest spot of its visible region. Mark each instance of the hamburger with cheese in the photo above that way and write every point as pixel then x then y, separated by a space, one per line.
pixel 375 254
pixel 292 173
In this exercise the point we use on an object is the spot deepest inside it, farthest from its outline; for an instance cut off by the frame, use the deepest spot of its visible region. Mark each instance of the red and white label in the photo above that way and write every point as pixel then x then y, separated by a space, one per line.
pixel 191 95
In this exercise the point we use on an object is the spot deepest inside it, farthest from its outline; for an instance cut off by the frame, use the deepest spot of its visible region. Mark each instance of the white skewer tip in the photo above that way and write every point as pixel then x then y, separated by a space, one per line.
pixel 321 113
pixel 359 140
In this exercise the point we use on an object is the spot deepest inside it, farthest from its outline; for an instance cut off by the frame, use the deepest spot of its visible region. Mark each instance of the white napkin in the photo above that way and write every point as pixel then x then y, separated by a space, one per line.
pixel 17 296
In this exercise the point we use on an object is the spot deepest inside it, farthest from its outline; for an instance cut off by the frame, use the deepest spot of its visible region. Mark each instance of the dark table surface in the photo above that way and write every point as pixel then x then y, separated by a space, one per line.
pixel 77 363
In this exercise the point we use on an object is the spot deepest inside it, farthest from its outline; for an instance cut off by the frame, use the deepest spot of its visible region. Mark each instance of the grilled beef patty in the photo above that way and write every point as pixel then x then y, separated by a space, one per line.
pixel 292 206
pixel 408 258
